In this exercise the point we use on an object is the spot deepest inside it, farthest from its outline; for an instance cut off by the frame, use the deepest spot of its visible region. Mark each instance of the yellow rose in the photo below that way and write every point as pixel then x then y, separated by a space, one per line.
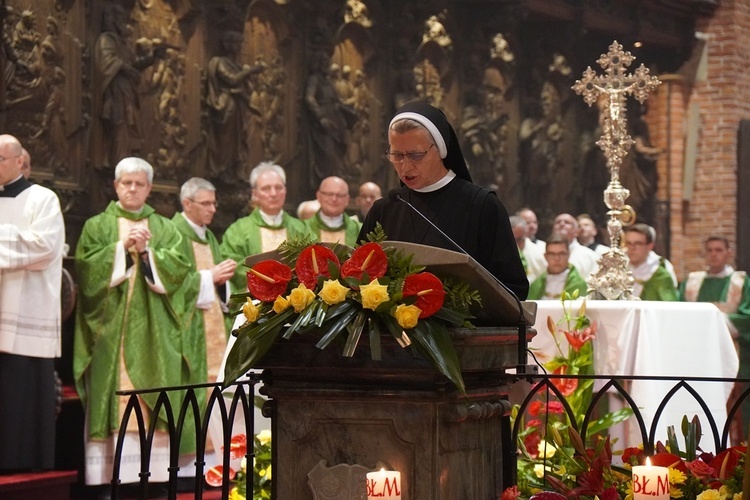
pixel 708 495
pixel 264 437
pixel 373 294
pixel 333 292
pixel 301 297
pixel 407 316
pixel 280 305
pixel 250 311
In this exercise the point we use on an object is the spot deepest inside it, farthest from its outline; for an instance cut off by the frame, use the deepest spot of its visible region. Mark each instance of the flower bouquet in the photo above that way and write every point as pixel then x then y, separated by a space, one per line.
pixel 333 291
pixel 261 470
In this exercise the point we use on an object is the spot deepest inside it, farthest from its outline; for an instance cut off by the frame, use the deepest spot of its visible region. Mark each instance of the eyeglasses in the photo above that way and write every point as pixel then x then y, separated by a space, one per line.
pixel 3 158
pixel 206 204
pixel 338 196
pixel 413 157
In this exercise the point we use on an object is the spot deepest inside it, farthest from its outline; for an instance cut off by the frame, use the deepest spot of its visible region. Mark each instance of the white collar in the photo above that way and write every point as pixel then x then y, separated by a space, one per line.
pixel 199 230
pixel 272 220
pixel 449 176
pixel 727 271
pixel 336 221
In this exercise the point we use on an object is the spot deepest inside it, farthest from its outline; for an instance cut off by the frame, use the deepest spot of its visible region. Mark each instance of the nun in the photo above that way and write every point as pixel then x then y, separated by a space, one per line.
pixel 436 185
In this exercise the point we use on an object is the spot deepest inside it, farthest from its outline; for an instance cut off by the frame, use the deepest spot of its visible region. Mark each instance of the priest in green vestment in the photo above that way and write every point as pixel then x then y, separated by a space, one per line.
pixel 330 224
pixel 267 226
pixel 206 287
pixel 730 291
pixel 560 276
pixel 652 279
pixel 128 325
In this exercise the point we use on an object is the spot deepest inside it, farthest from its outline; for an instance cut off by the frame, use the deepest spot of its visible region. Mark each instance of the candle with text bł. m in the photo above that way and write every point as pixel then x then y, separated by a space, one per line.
pixel 384 485
pixel 650 482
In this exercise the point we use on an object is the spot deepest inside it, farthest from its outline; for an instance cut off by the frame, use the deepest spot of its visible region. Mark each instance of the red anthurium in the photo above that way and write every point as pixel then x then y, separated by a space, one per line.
pixel 313 262
pixel 369 258
pixel 429 291
pixel 668 460
pixel 214 475
pixel 238 446
pixel 727 460
pixel 268 279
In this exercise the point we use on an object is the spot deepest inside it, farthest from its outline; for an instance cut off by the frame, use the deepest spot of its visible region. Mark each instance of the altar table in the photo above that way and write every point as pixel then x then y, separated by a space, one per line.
pixel 645 338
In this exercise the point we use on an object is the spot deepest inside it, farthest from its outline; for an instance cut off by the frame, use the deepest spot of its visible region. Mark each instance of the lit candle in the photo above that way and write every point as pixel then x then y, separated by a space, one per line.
pixel 384 485
pixel 650 482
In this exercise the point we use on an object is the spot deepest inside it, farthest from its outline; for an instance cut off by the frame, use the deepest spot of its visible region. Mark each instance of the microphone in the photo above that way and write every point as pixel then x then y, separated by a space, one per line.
pixel 522 367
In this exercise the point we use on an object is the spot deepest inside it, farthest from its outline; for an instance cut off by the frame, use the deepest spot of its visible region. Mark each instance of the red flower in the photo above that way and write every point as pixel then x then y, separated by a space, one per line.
pixel 535 423
pixel 701 469
pixel 610 494
pixel 566 386
pixel 511 493
pixel 633 456
pixel 555 407
pixel 668 460
pixel 214 475
pixel 531 442
pixel 727 460
pixel 537 407
pixel 313 262
pixel 577 338
pixel 369 258
pixel 238 446
pixel 429 291
pixel 268 279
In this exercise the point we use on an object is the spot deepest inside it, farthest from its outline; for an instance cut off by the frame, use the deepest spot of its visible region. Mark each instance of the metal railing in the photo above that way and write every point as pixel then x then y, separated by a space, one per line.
pixel 177 420
pixel 243 399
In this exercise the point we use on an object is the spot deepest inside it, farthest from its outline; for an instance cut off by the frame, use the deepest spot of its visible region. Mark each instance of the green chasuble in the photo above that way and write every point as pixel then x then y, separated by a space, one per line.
pixel 716 290
pixel 146 324
pixel 194 337
pixel 572 282
pixel 349 227
pixel 243 238
pixel 659 286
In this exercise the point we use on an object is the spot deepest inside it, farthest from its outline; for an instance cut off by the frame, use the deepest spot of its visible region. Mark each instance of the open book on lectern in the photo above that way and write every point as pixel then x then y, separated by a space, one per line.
pixel 499 306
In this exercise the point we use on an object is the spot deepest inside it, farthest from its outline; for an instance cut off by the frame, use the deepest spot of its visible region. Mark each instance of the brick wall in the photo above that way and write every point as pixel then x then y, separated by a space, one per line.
pixel 724 100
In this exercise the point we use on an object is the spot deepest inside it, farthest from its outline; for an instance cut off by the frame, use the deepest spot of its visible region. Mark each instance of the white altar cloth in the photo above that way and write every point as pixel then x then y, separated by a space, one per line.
pixel 644 338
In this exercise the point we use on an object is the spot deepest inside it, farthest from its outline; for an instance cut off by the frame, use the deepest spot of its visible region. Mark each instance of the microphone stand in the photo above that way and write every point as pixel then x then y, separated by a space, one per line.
pixel 522 367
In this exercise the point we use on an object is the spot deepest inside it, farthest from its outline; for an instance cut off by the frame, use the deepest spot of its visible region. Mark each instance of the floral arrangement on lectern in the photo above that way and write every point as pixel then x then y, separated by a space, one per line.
pixel 338 290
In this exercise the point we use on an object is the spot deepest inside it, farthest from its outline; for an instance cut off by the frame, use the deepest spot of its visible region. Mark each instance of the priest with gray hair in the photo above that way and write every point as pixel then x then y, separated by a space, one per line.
pixel 128 332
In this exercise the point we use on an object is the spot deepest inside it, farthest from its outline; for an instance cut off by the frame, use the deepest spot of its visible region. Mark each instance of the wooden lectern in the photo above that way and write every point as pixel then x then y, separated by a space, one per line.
pixel 400 411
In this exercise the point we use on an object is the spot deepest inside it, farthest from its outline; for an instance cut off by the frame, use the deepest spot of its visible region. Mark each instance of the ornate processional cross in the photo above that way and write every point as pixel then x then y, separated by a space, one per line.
pixel 613 279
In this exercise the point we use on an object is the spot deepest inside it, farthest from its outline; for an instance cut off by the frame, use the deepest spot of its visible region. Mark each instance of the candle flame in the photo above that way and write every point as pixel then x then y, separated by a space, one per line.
pixel 648 462
pixel 263 276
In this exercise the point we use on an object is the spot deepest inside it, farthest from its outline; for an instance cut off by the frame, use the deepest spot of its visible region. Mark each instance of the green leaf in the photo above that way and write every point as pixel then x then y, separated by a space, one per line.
pixel 253 342
pixel 355 332
pixel 609 420
pixel 433 340
pixel 335 329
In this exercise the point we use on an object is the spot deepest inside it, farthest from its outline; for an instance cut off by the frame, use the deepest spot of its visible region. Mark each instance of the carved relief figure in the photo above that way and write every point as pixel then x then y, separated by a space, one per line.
pixel 26 43
pixel 638 172
pixel 330 120
pixel 119 70
pixel 356 12
pixel 540 138
pixel 362 100
pixel 228 104
pixel 272 97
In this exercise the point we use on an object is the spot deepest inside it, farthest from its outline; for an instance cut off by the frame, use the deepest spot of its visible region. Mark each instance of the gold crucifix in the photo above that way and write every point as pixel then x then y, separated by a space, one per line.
pixel 613 279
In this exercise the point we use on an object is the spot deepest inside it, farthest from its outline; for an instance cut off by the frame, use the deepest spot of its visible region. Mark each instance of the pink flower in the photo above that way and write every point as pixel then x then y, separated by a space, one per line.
pixel 701 469
pixel 577 338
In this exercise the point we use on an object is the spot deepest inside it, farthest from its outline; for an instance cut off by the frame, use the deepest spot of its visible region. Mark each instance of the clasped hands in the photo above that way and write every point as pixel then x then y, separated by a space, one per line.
pixel 137 238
